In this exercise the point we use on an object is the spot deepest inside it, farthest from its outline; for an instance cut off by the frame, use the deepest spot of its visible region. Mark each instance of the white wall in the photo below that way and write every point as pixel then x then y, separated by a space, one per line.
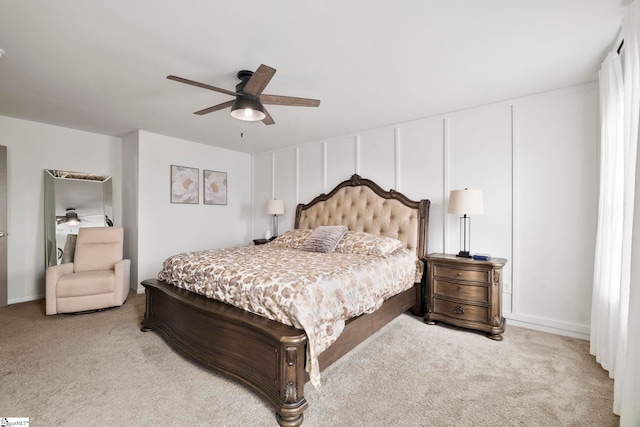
pixel 130 195
pixel 165 228
pixel 31 148
pixel 533 157
pixel 140 168
pixel 556 208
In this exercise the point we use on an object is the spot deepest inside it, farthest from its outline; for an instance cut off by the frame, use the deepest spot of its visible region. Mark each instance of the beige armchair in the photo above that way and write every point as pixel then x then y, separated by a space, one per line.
pixel 97 278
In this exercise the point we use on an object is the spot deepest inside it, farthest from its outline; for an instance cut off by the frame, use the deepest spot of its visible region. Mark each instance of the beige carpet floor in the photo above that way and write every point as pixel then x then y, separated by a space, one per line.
pixel 98 369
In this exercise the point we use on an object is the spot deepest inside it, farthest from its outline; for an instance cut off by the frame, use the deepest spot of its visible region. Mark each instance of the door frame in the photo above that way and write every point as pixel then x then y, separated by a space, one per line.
pixel 3 227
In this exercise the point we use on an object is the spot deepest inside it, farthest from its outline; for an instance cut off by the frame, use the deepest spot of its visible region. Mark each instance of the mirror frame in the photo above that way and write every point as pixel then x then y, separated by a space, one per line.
pixel 55 182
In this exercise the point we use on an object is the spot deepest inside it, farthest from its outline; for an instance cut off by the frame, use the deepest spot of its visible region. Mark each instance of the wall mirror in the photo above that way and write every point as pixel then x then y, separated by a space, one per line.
pixel 73 200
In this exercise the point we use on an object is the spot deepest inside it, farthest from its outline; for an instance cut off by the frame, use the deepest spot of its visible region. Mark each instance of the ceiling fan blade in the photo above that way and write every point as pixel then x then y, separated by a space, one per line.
pixel 259 80
pixel 268 120
pixel 215 108
pixel 202 85
pixel 289 100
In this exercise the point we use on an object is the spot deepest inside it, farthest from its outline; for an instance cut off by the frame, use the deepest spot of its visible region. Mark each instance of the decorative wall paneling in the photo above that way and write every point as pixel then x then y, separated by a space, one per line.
pixel 341 161
pixel 378 157
pixel 555 205
pixel 479 157
pixel 533 157
pixel 379 154
pixel 420 165
pixel 311 172
pixel 285 183
pixel 262 191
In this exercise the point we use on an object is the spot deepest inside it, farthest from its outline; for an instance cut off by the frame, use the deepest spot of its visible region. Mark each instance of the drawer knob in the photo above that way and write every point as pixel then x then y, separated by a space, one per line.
pixel 459 274
pixel 458 310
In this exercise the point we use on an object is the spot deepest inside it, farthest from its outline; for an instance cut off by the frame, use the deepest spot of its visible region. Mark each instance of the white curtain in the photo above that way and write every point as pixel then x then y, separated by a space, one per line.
pixel 605 308
pixel 616 289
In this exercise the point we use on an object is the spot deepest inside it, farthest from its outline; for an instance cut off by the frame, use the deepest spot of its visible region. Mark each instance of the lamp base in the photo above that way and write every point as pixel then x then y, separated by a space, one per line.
pixel 464 254
pixel 274 226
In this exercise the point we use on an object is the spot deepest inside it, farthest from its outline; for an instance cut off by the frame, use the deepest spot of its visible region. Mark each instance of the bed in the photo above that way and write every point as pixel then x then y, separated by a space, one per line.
pixel 270 356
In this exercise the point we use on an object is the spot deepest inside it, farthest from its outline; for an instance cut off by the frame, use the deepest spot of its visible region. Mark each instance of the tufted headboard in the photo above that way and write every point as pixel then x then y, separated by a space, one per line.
pixel 362 205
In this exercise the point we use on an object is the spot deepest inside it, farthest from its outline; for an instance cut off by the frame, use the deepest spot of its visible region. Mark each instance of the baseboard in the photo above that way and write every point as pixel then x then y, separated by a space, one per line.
pixel 544 325
pixel 25 299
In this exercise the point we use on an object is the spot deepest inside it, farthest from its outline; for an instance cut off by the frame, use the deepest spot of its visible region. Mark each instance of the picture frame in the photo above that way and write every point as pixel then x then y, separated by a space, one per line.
pixel 214 187
pixel 185 185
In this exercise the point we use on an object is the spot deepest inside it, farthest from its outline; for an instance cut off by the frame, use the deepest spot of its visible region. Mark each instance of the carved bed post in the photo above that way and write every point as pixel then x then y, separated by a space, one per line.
pixel 292 378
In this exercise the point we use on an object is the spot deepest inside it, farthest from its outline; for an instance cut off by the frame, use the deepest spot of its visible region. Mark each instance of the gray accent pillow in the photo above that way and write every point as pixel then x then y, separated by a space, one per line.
pixel 324 238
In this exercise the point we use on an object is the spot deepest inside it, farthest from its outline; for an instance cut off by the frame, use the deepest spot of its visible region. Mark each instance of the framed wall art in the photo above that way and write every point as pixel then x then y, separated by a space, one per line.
pixel 185 185
pixel 215 187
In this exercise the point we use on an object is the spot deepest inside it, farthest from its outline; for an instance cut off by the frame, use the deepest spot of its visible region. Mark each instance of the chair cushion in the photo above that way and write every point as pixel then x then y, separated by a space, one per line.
pixel 86 283
pixel 98 248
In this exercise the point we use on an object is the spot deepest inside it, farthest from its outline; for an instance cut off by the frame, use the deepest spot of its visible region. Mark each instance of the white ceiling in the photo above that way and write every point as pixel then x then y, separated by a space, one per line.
pixel 101 66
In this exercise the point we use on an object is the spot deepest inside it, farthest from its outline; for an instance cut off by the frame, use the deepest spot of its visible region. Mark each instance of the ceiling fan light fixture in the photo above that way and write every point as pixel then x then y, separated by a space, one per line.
pixel 70 217
pixel 247 109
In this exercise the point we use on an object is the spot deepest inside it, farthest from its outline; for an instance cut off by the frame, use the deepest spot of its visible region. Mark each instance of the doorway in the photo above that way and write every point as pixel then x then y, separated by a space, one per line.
pixel 3 226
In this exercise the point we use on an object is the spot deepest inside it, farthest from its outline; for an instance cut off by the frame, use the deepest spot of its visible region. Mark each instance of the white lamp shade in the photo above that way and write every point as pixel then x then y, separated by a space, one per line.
pixel 466 202
pixel 275 207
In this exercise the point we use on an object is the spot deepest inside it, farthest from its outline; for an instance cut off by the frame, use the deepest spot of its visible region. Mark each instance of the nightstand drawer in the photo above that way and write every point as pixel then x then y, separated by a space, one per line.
pixel 460 291
pixel 472 313
pixel 482 276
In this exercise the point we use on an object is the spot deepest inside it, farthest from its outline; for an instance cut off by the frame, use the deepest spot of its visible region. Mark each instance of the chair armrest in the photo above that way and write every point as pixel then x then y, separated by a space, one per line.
pixel 51 282
pixel 122 273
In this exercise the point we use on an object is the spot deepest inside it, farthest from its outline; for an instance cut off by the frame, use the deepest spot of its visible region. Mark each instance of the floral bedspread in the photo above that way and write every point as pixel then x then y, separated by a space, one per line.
pixel 313 291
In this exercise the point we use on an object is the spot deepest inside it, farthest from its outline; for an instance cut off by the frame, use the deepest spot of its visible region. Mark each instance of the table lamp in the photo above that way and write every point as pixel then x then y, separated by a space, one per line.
pixel 465 202
pixel 275 207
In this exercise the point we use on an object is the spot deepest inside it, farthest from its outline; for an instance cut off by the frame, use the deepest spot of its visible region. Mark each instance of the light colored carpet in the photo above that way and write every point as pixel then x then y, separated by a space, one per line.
pixel 98 369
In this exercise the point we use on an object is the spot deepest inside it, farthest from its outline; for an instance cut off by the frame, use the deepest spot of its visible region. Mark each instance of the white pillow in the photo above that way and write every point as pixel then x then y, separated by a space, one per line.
pixel 292 238
pixel 359 242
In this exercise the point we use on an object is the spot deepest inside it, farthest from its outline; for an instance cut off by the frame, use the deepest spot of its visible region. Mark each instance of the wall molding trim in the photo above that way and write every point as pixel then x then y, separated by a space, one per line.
pixel 324 167
pixel 396 142
pixel 357 148
pixel 514 208
pixel 446 121
pixel 273 175
pixel 545 325
pixel 253 196
pixel 297 174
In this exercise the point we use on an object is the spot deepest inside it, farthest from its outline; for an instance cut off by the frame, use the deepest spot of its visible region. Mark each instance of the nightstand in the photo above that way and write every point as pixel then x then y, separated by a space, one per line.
pixel 262 241
pixel 465 293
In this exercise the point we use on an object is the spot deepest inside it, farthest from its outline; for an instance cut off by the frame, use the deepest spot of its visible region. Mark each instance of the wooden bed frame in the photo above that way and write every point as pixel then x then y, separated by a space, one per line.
pixel 269 356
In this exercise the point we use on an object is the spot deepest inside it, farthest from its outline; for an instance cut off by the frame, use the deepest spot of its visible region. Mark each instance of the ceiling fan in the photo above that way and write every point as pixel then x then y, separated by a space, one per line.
pixel 71 218
pixel 249 99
